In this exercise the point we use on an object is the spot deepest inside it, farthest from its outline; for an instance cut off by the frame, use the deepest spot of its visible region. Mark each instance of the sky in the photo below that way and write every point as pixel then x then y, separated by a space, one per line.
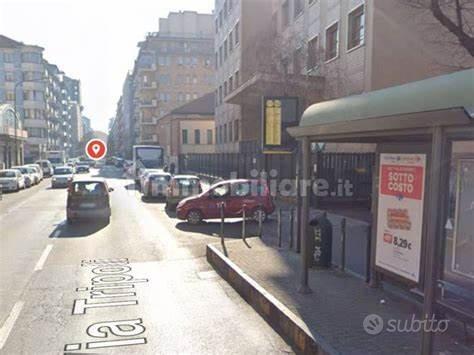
pixel 94 41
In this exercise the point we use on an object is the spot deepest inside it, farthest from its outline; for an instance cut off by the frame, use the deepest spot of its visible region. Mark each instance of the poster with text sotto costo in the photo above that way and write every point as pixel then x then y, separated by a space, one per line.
pixel 400 214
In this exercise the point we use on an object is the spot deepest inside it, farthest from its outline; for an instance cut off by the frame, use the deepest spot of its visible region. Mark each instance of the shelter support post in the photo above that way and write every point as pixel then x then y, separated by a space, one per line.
pixel 431 239
pixel 304 193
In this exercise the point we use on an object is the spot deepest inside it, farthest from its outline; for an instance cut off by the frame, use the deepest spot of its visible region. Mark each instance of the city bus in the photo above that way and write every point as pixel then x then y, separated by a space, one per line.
pixel 147 157
pixel 56 157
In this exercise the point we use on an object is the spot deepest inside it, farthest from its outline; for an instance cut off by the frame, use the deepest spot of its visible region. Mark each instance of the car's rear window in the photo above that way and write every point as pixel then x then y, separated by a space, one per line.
pixel 7 174
pixel 88 189
pixel 62 171
pixel 160 178
pixel 187 182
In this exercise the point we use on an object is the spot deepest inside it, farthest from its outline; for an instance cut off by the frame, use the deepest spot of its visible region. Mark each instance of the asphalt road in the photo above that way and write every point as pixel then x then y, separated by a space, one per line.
pixel 140 284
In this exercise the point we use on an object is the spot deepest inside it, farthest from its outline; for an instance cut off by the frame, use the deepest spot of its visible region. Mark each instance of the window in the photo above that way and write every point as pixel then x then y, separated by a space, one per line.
pixel 220 18
pixel 285 14
pixel 217 61
pixel 231 84
pixel 217 25
pixel 285 66
pixel 209 136
pixel 225 9
pixel 299 5
pixel 298 62
pixel 180 60
pixel 237 79
pixel 184 136
pixel 225 89
pixel 8 57
pixel 231 42
pixel 220 55
pixel 225 133
pixel 225 50
pixel 236 130
pixel 216 134
pixel 236 33
pixel 230 4
pixel 9 76
pixel 332 41
pixel 197 136
pixel 220 94
pixel 313 53
pixel 31 57
pixel 10 96
pixel 356 28
pixel 231 137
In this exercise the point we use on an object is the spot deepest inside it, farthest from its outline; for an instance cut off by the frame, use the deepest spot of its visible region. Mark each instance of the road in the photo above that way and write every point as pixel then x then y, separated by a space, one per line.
pixel 140 284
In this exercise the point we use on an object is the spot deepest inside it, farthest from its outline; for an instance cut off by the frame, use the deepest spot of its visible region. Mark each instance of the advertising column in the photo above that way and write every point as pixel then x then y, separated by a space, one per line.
pixel 400 214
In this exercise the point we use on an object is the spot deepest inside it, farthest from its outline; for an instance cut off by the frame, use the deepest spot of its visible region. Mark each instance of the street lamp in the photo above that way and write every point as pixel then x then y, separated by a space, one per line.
pixel 16 112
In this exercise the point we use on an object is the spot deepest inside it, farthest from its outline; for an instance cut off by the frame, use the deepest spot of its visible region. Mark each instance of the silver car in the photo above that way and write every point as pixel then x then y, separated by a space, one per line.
pixel 62 176
pixel 11 180
pixel 27 174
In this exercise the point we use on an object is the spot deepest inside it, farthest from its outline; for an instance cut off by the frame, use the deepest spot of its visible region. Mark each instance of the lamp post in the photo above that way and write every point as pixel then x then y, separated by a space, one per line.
pixel 16 112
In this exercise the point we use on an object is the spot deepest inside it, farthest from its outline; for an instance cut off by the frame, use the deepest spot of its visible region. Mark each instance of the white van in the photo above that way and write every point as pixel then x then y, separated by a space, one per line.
pixel 46 166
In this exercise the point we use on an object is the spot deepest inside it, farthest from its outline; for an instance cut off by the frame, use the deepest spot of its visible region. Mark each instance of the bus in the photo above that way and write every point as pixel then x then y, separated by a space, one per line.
pixel 56 157
pixel 147 157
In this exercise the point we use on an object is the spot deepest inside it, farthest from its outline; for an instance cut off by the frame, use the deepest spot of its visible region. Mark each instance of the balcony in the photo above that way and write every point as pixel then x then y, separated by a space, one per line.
pixel 147 67
pixel 35 123
pixel 149 103
pixel 149 86
pixel 10 132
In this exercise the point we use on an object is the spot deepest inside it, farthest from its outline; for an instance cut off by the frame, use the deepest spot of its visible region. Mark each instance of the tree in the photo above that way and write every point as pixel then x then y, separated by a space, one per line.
pixel 456 16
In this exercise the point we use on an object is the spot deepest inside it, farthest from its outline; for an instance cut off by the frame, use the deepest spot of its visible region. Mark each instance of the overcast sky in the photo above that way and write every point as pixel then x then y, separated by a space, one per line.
pixel 91 40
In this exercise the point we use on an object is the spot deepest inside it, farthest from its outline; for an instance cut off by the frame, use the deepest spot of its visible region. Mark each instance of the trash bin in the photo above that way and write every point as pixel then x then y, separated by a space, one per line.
pixel 322 241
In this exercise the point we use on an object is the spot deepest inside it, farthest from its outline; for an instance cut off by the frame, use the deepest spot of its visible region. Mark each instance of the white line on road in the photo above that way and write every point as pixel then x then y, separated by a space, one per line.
pixel 42 259
pixel 10 322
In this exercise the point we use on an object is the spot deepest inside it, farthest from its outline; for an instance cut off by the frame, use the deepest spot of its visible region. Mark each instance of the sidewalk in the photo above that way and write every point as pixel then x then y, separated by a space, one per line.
pixel 332 316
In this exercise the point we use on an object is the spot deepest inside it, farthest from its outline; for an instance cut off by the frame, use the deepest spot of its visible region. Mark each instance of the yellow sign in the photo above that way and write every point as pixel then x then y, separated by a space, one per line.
pixel 273 122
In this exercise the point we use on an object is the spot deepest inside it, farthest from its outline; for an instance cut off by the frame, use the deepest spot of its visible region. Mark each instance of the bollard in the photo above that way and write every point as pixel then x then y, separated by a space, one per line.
pixel 243 222
pixel 222 229
pixel 343 244
pixel 260 223
pixel 279 227
pixel 292 222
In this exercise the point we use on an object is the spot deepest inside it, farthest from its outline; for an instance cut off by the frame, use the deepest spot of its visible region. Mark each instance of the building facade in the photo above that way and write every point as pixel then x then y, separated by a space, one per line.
pixel 188 129
pixel 12 138
pixel 174 66
pixel 45 100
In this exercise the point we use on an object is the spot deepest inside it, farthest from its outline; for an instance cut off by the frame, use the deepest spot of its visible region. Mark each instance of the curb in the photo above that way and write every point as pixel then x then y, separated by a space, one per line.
pixel 276 314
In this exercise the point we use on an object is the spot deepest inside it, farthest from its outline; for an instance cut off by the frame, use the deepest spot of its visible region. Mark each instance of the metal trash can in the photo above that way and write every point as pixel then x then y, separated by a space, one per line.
pixel 322 241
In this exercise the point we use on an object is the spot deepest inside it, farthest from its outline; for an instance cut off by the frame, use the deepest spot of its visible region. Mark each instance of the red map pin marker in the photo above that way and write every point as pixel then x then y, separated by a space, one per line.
pixel 96 149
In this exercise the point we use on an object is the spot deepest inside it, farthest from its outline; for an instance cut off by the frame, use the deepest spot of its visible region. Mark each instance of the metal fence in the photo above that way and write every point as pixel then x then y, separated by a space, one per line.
pixel 335 168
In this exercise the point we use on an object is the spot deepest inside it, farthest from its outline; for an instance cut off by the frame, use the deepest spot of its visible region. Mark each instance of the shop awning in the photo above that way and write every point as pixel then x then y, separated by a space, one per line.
pixel 442 100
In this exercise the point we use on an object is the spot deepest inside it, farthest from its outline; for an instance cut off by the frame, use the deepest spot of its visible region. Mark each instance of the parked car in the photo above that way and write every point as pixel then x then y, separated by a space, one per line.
pixel 88 198
pixel 234 195
pixel 11 180
pixel 155 184
pixel 62 176
pixel 27 174
pixel 143 176
pixel 46 166
pixel 38 170
pixel 82 168
pixel 181 187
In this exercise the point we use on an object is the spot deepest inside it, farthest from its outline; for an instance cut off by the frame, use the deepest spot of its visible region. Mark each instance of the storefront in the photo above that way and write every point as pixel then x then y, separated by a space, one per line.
pixel 11 141
pixel 422 237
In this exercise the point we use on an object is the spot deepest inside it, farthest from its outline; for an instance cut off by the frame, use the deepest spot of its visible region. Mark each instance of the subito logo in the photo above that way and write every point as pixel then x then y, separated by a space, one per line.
pixel 373 324
pixel 96 149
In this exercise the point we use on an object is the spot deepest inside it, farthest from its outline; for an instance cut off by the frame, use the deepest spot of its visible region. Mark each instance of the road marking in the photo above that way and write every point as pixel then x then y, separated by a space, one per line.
pixel 42 259
pixel 10 322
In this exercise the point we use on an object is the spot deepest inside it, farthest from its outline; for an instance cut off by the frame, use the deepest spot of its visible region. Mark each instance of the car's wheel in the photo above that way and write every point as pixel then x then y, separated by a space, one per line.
pixel 69 221
pixel 194 217
pixel 259 213
pixel 17 187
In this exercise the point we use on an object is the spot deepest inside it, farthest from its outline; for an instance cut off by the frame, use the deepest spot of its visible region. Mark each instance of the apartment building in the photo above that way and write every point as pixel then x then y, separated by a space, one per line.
pixel 41 95
pixel 12 137
pixel 237 26
pixel 319 50
pixel 174 66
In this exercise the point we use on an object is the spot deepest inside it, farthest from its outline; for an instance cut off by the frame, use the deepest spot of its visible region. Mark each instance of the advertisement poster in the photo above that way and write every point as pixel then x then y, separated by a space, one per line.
pixel 400 213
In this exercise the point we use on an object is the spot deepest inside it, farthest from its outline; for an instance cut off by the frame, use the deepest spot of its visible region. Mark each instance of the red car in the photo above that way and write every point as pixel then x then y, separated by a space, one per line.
pixel 234 194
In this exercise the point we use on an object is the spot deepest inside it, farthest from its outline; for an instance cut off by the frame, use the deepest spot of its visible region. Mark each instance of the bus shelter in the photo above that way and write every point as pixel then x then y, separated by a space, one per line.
pixel 422 237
